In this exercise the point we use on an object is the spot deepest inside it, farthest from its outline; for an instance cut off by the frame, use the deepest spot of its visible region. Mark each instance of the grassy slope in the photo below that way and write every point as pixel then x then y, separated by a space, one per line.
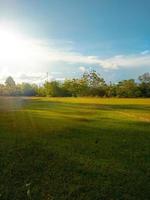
pixel 74 148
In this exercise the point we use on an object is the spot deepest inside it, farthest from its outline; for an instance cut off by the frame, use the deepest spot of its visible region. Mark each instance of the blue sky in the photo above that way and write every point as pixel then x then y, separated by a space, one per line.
pixel 110 36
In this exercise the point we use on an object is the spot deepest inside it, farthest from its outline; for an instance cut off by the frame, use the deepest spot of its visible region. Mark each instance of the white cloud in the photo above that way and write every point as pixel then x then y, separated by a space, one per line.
pixel 127 61
pixel 26 77
pixel 31 77
pixel 60 79
pixel 28 59
pixel 82 69
pixel 120 61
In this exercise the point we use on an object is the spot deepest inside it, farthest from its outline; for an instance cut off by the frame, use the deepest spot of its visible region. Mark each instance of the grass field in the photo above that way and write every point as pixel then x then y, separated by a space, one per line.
pixel 74 149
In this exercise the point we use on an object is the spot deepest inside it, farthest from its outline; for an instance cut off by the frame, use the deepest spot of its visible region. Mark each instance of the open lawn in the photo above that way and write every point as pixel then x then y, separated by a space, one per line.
pixel 74 149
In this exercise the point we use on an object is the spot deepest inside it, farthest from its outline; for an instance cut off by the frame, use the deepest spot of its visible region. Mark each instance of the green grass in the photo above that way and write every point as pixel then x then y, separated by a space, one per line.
pixel 74 149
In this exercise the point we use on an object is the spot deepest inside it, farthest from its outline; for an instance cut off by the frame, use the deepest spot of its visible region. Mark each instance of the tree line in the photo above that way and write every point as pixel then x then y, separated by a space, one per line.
pixel 89 84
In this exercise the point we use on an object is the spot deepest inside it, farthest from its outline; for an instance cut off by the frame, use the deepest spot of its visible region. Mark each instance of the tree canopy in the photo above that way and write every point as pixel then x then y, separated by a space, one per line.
pixel 89 84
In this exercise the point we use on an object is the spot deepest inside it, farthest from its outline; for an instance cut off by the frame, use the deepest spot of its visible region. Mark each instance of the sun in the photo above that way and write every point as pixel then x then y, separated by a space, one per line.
pixel 18 49
pixel 19 52
pixel 12 46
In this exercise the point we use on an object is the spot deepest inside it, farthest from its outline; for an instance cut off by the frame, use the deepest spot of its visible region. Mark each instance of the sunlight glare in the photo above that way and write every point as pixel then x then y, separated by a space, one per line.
pixel 17 50
pixel 12 46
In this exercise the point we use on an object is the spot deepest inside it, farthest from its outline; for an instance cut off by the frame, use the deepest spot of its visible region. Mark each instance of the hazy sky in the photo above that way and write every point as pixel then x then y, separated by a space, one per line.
pixel 67 37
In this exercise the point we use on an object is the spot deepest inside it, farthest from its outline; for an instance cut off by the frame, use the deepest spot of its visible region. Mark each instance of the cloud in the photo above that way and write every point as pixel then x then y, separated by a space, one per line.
pixel 115 62
pixel 31 77
pixel 26 77
pixel 60 79
pixel 82 69
pixel 127 61
pixel 29 59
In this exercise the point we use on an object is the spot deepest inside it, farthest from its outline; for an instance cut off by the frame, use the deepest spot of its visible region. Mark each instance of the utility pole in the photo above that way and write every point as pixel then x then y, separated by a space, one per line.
pixel 47 76
pixel 47 82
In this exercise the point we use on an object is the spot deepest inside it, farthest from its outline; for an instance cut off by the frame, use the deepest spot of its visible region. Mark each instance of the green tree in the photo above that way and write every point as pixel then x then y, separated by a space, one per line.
pixel 28 89
pixel 95 83
pixel 145 78
pixel 53 89
pixel 10 86
pixel 144 85
pixel 111 90
pixel 2 90
pixel 128 88
pixel 10 82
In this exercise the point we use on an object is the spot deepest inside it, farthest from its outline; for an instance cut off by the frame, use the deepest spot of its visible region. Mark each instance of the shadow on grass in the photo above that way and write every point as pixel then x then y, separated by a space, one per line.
pixel 31 103
pixel 56 151
pixel 55 174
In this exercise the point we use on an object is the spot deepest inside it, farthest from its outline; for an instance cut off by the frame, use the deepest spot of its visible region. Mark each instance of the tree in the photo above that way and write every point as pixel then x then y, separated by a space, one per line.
pixel 111 90
pixel 53 89
pixel 71 86
pixel 10 86
pixel 28 89
pixel 96 84
pixel 128 88
pixel 41 91
pixel 2 90
pixel 89 84
pixel 145 78
pixel 144 85
pixel 10 82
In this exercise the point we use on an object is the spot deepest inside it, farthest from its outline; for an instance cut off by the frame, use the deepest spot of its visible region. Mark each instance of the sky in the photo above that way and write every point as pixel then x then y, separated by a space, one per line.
pixel 68 37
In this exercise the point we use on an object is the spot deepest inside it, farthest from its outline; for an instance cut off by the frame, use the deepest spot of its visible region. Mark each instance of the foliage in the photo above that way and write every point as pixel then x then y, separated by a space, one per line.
pixel 145 85
pixel 10 82
pixel 89 84
pixel 145 78
pixel 128 88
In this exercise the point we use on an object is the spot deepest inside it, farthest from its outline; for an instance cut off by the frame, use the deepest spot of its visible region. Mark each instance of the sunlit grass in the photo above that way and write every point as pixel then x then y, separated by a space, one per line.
pixel 74 148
